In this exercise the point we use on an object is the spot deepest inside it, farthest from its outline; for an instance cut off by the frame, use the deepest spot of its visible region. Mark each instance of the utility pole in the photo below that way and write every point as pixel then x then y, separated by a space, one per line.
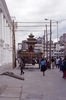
pixel 50 40
pixel 46 43
pixel 13 45
pixel 57 31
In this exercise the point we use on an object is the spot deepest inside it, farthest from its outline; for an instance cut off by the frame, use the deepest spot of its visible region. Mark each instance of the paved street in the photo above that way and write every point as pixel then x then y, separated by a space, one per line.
pixel 35 86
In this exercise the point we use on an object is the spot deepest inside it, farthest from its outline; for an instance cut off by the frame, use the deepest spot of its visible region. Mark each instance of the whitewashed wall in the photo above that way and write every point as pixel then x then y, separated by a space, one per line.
pixel 5 35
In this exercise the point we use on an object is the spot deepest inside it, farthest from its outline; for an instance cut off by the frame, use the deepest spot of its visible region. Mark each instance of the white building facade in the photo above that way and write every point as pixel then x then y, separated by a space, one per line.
pixel 5 35
pixel 63 41
pixel 38 45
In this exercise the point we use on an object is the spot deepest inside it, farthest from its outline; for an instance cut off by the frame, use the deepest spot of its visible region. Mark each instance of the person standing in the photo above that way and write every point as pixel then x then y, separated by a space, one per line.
pixel 57 62
pixel 60 64
pixel 64 67
pixel 52 62
pixel 48 64
pixel 43 66
pixel 21 66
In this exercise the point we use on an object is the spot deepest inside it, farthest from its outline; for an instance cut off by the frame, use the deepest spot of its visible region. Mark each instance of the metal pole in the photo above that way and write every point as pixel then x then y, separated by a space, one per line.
pixel 13 47
pixel 57 39
pixel 44 43
pixel 57 31
pixel 50 40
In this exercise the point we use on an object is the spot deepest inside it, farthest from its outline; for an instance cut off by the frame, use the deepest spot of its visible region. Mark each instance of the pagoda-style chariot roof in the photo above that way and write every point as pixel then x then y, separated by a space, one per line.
pixel 31 35
pixel 31 39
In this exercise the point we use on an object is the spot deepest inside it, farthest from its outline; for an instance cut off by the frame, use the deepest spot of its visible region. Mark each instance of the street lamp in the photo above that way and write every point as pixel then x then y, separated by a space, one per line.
pixel 57 30
pixel 57 25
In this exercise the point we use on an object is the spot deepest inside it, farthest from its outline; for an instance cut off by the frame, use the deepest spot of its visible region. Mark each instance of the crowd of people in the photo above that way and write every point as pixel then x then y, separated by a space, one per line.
pixel 54 63
pixel 45 64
